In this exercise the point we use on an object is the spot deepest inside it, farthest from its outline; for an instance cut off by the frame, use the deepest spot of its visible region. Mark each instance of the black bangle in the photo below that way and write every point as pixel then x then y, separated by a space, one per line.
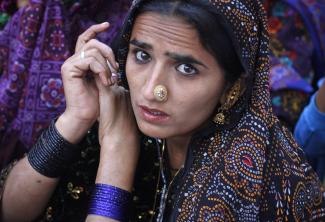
pixel 52 154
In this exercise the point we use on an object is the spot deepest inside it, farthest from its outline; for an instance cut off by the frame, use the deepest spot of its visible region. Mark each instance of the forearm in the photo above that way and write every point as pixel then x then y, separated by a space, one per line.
pixel 117 166
pixel 26 193
pixel 116 169
pixel 94 218
pixel 71 129
pixel 31 182
pixel 320 98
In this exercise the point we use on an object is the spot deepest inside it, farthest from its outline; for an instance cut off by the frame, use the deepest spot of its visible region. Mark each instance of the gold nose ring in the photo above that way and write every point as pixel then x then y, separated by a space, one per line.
pixel 161 94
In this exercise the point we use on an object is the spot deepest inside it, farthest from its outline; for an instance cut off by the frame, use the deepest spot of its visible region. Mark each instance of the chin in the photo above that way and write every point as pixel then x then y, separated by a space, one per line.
pixel 154 131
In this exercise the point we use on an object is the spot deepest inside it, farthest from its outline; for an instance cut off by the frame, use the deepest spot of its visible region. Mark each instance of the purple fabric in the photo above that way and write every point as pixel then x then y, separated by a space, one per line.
pixel 313 14
pixel 284 77
pixel 297 29
pixel 7 5
pixel 297 55
pixel 33 46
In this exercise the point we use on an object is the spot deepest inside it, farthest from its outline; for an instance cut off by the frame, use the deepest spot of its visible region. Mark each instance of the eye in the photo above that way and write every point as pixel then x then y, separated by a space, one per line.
pixel 142 56
pixel 187 69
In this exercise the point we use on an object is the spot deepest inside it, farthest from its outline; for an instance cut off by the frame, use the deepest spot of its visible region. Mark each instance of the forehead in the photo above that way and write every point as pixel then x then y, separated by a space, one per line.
pixel 166 29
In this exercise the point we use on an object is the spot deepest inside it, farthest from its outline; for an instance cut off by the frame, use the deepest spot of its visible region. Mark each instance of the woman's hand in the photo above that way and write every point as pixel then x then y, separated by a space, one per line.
pixel 117 124
pixel 80 72
pixel 118 137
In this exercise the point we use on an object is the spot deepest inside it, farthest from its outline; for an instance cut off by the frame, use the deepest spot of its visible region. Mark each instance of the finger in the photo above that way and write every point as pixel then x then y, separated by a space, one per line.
pixel 95 52
pixel 90 33
pixel 100 85
pixel 91 64
pixel 106 51
pixel 106 81
pixel 97 67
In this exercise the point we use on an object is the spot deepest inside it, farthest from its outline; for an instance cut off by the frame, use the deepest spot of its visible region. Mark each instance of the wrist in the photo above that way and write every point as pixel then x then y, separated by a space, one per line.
pixel 52 154
pixel 72 129
pixel 110 202
pixel 118 164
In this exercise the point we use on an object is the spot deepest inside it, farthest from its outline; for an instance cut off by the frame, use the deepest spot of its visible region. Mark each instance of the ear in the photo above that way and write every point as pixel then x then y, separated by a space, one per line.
pixel 225 93
pixel 229 90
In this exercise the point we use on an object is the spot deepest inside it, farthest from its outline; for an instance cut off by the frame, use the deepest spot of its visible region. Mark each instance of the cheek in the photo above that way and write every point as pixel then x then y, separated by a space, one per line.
pixel 128 66
pixel 131 73
pixel 131 80
pixel 198 105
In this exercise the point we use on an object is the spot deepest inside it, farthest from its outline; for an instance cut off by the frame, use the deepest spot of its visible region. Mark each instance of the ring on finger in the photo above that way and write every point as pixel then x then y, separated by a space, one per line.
pixel 116 77
pixel 82 54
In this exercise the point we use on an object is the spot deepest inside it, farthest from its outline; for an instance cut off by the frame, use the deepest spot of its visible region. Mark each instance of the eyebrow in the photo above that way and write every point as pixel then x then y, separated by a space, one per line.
pixel 140 44
pixel 184 58
pixel 178 57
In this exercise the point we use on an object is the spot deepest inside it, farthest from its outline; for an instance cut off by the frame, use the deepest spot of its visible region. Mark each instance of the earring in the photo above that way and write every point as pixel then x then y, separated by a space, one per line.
pixel 160 92
pixel 231 99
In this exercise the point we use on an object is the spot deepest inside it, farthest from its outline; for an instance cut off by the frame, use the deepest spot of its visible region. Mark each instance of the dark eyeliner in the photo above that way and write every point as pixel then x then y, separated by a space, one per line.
pixel 135 51
pixel 196 71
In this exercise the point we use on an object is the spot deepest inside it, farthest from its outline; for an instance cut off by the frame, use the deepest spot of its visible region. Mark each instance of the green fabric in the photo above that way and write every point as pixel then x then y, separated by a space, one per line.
pixel 4 17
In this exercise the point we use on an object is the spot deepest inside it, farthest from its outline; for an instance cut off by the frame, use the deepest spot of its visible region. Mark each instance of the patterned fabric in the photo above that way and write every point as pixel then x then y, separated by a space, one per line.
pixel 33 46
pixel 297 43
pixel 291 49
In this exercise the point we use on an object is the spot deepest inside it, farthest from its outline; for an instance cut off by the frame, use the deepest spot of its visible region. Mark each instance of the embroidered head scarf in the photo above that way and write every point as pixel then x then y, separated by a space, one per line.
pixel 250 168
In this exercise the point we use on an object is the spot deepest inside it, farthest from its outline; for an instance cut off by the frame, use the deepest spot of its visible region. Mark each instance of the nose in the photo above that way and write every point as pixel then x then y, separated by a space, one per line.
pixel 156 76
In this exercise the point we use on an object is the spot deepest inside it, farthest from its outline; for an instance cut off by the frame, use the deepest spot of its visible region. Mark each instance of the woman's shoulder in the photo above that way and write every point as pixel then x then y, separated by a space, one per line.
pixel 290 185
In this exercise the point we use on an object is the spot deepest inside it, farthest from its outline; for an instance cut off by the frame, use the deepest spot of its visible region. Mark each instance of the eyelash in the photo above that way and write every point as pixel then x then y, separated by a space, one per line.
pixel 135 51
pixel 188 66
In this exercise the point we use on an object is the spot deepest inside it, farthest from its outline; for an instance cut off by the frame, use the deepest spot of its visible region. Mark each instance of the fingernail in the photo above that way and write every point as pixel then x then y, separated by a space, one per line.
pixel 117 66
pixel 105 23
pixel 110 67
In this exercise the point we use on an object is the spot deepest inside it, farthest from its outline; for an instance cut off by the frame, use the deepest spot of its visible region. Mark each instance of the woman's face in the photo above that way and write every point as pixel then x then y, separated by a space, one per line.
pixel 167 51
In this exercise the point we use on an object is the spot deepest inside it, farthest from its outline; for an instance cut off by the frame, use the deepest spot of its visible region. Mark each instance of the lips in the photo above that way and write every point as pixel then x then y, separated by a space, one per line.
pixel 153 115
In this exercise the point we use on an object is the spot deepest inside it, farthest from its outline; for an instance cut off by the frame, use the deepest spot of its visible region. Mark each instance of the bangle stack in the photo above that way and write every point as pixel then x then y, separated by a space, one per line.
pixel 52 154
pixel 109 201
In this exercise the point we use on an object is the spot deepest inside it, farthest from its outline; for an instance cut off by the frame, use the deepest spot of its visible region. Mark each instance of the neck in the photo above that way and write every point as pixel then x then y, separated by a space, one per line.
pixel 177 150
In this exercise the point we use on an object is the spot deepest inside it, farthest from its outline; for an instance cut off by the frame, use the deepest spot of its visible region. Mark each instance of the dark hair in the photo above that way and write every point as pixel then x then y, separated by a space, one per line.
pixel 211 29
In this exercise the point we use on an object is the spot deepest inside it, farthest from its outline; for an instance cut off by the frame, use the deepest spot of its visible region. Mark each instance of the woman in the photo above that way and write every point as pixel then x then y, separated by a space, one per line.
pixel 197 72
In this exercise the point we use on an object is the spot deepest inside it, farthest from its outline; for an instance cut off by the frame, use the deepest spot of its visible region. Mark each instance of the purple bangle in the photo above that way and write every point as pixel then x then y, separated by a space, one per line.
pixel 110 201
